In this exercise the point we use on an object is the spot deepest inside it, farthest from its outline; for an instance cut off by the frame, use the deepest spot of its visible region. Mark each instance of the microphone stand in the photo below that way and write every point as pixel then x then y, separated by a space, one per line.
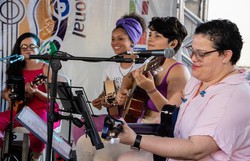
pixel 9 155
pixel 56 65
pixel 9 57
pixel 64 56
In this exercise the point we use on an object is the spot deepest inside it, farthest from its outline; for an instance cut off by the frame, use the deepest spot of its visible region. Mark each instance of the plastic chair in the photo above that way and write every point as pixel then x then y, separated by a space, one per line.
pixel 25 142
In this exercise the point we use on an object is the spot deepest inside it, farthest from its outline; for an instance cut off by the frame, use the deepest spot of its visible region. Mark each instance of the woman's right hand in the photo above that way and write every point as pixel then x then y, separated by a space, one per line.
pixel 5 94
pixel 97 103
pixel 121 96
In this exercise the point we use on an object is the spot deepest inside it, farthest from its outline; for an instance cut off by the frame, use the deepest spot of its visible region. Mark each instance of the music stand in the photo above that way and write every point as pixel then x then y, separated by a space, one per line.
pixel 29 119
pixel 69 104
pixel 79 104
pixel 91 130
pixel 67 98
pixel 55 66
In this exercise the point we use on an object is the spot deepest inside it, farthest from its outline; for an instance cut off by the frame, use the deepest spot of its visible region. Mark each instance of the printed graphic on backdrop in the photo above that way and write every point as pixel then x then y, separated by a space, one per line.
pixel 46 18
pixel 78 27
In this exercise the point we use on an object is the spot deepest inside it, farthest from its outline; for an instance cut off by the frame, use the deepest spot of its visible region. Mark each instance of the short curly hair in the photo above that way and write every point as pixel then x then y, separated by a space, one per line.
pixel 169 27
pixel 224 35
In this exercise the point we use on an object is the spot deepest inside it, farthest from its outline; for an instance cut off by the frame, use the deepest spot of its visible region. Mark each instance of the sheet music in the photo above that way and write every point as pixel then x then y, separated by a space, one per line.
pixel 38 127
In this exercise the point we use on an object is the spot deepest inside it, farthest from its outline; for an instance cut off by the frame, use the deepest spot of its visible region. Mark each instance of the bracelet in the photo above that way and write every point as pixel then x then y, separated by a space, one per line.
pixel 137 143
pixel 151 91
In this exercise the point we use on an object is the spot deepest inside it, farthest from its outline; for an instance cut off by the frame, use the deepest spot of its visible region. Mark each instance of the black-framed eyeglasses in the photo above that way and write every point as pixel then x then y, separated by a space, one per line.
pixel 199 55
pixel 25 47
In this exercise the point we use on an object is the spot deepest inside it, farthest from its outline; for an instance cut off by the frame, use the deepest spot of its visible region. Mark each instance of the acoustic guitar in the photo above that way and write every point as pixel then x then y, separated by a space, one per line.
pixel 19 104
pixel 110 92
pixel 136 101
pixel 112 126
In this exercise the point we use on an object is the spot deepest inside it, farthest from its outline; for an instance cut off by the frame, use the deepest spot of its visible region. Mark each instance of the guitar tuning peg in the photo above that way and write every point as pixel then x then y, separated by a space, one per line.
pixel 154 73
pixel 159 70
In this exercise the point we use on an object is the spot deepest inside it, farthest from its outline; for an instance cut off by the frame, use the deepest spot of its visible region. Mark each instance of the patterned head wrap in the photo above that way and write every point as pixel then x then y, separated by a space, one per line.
pixel 132 27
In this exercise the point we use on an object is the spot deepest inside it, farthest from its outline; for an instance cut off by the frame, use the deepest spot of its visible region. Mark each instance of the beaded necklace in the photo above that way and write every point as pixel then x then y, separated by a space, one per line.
pixel 127 72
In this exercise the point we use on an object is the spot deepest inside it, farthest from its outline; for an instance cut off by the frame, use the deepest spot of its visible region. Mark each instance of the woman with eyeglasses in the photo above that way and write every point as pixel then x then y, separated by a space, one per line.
pixel 35 90
pixel 214 119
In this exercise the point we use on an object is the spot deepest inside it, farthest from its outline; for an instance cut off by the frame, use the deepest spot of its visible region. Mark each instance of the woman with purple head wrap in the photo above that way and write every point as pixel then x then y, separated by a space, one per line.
pixel 126 34
pixel 132 27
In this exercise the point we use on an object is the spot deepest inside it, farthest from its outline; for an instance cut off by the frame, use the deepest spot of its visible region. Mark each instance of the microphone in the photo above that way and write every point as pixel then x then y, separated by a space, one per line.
pixel 43 56
pixel 19 58
pixel 60 55
pixel 168 53
pixel 8 57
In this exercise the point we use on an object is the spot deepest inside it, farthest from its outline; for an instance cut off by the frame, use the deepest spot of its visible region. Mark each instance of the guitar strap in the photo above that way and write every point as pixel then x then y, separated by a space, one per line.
pixel 166 125
pixel 166 128
pixel 168 118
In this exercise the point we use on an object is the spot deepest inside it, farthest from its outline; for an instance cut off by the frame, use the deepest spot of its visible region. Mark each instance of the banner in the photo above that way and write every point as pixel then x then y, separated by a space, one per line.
pixel 77 27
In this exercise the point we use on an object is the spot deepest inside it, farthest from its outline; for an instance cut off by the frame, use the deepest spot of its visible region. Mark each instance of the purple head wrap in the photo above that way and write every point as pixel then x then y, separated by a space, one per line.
pixel 132 27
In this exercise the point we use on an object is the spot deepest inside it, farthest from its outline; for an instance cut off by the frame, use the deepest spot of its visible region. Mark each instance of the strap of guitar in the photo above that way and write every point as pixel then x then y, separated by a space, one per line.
pixel 166 128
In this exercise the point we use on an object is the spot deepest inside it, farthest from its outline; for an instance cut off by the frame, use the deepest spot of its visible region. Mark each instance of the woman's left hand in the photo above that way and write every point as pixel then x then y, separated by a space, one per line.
pixel 30 89
pixel 127 136
pixel 146 82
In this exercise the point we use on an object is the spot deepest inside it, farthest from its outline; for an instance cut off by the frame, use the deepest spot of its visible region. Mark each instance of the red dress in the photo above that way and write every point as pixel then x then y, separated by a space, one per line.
pixel 38 105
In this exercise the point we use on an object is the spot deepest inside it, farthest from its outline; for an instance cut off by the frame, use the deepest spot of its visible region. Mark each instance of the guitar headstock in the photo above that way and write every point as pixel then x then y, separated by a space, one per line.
pixel 39 80
pixel 154 65
pixel 111 128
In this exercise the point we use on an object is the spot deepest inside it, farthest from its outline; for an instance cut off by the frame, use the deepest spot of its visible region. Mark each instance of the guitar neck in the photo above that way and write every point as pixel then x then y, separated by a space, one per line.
pixel 145 129
pixel 38 80
pixel 135 103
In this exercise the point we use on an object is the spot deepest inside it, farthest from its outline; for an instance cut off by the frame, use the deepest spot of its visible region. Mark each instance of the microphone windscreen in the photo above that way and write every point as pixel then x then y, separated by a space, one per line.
pixel 169 52
pixel 21 58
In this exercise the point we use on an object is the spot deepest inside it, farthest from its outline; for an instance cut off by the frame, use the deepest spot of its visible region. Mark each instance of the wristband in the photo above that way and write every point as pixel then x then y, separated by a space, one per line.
pixel 114 140
pixel 151 91
pixel 137 142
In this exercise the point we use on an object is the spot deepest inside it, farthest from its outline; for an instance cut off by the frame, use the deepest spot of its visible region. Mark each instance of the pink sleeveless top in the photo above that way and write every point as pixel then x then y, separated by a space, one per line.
pixel 36 103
